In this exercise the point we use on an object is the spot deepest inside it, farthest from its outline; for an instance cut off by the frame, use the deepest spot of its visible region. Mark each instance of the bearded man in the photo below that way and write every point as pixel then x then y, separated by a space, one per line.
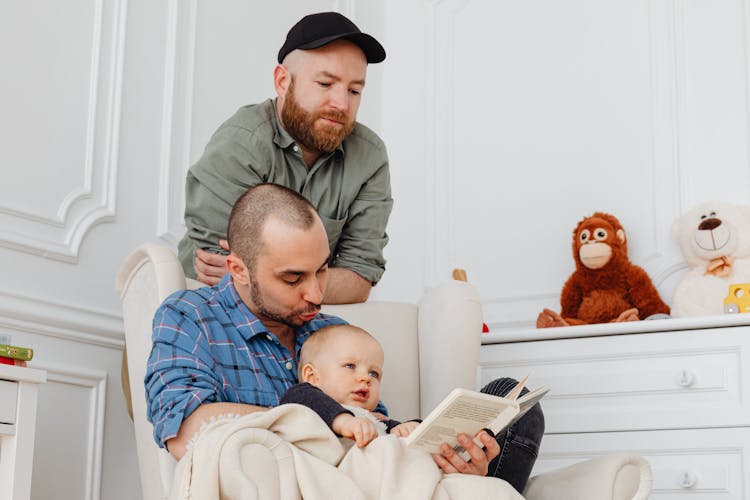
pixel 308 140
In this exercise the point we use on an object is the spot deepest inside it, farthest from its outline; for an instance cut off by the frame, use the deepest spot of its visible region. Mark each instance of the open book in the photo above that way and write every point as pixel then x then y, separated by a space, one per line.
pixel 469 412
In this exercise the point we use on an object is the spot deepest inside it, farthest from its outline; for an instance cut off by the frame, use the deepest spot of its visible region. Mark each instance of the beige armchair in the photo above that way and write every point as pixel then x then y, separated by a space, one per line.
pixel 430 348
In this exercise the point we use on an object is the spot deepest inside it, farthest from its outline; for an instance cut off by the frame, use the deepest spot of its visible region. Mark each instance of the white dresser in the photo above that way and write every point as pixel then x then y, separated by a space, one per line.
pixel 676 391
pixel 18 402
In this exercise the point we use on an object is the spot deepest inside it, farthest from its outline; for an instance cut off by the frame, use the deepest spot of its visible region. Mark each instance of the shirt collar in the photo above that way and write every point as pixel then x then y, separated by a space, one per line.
pixel 282 138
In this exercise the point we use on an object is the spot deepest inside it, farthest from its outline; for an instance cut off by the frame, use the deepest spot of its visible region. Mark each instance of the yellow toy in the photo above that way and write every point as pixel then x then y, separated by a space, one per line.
pixel 738 299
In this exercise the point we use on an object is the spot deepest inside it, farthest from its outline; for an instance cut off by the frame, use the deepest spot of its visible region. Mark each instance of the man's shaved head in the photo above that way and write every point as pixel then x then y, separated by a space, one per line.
pixel 255 207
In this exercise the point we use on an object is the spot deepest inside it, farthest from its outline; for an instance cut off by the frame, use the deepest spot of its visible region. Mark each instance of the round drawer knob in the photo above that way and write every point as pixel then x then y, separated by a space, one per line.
pixel 688 480
pixel 686 379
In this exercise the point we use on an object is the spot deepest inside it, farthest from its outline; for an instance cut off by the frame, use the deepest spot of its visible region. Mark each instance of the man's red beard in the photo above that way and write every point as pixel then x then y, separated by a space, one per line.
pixel 306 128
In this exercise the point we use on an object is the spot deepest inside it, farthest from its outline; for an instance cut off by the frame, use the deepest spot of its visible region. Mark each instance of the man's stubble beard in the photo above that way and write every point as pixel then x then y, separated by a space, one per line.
pixel 291 319
pixel 303 127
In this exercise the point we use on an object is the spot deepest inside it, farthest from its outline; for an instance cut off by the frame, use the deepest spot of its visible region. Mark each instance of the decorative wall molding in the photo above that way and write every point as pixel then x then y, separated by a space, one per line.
pixel 347 8
pixel 33 315
pixel 59 237
pixel 668 82
pixel 96 382
pixel 746 60
pixel 177 116
pixel 440 249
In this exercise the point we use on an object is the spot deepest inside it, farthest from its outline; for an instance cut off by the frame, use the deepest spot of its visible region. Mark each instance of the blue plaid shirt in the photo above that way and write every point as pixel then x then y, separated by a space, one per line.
pixel 208 347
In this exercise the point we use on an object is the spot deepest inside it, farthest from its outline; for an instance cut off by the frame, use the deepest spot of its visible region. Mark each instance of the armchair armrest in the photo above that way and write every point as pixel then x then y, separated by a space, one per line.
pixel 616 477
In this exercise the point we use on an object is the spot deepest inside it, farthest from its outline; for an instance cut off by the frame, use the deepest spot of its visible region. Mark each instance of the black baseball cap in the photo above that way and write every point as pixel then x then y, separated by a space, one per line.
pixel 316 30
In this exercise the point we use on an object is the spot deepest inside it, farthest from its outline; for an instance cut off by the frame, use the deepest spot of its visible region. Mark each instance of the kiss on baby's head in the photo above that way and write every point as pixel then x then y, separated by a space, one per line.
pixel 345 362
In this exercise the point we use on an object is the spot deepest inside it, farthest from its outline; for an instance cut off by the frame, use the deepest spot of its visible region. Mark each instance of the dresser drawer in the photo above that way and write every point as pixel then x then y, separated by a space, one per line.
pixel 8 401
pixel 670 380
pixel 709 464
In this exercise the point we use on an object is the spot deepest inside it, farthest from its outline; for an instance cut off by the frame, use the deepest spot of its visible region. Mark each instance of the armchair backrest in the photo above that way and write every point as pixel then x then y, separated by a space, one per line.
pixel 430 348
pixel 149 274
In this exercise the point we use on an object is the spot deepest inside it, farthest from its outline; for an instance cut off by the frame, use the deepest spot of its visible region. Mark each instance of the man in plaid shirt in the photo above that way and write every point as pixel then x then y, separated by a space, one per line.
pixel 228 348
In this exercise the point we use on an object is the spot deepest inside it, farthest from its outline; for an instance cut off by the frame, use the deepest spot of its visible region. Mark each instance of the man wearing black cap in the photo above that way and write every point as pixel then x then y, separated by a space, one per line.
pixel 306 139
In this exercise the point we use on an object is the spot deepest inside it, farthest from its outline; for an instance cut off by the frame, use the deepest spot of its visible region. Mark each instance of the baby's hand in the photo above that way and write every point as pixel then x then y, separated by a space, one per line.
pixel 404 429
pixel 359 429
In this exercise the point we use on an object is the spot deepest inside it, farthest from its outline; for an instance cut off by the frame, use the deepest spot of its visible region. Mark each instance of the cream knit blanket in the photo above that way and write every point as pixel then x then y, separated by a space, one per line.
pixel 288 453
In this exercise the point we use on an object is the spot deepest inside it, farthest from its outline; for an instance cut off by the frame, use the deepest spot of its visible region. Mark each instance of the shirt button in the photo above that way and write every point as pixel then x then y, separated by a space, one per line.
pixel 296 148
pixel 269 337
pixel 288 365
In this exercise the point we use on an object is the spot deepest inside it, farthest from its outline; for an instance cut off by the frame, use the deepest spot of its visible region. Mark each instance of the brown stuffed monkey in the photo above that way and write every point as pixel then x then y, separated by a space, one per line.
pixel 606 286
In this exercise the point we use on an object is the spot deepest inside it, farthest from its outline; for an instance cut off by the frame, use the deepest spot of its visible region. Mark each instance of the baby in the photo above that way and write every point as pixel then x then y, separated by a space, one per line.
pixel 340 369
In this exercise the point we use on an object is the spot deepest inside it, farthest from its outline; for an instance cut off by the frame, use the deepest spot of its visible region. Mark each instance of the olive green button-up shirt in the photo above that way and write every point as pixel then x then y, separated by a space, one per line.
pixel 350 187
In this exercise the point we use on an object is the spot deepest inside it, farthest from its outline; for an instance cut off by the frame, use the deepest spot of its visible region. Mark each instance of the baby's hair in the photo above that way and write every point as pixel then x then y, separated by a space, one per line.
pixel 317 341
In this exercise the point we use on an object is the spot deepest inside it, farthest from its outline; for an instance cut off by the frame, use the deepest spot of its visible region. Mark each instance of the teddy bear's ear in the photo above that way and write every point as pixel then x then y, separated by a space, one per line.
pixel 621 235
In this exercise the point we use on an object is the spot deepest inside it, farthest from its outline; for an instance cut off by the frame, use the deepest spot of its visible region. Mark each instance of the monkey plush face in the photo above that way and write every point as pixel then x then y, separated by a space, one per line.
pixel 597 239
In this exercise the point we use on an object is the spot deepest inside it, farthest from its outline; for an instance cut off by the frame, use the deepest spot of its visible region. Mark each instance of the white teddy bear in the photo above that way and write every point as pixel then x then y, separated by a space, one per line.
pixel 714 238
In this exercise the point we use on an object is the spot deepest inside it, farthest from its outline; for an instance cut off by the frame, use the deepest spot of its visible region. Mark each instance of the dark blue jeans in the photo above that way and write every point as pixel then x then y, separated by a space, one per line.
pixel 519 446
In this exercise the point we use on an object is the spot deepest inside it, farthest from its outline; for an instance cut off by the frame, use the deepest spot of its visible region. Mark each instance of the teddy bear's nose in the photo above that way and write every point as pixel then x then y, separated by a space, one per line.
pixel 709 224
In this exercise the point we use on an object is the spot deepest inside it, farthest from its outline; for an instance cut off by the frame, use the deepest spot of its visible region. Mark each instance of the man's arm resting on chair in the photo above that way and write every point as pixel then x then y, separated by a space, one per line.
pixel 192 424
pixel 346 287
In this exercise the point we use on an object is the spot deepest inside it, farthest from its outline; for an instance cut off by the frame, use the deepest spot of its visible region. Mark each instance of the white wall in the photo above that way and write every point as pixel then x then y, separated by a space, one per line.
pixel 506 123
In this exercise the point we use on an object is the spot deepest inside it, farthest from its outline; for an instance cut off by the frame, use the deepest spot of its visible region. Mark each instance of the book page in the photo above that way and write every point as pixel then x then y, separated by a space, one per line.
pixel 532 397
pixel 525 403
pixel 514 393
pixel 462 411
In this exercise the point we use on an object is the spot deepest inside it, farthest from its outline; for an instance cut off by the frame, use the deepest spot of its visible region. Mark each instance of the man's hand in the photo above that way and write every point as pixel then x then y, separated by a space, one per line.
pixel 450 462
pixel 211 267
pixel 404 429
pixel 359 429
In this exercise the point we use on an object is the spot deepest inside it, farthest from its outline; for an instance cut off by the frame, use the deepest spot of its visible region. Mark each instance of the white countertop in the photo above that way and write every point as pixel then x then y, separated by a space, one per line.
pixel 631 327
pixel 22 374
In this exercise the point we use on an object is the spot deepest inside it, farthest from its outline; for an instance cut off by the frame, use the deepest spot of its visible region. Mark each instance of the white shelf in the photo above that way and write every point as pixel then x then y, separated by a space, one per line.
pixel 22 374
pixel 627 328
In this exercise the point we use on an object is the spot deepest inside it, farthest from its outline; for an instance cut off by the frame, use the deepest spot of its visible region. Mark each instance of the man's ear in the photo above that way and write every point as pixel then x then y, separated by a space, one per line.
pixel 308 374
pixel 281 80
pixel 238 269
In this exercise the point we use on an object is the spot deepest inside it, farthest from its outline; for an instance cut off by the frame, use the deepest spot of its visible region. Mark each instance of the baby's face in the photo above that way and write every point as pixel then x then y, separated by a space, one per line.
pixel 350 370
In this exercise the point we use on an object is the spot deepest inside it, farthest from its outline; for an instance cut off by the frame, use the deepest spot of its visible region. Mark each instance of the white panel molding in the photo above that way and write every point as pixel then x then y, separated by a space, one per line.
pixel 63 321
pixel 347 8
pixel 746 60
pixel 668 82
pixel 177 116
pixel 59 237
pixel 96 382
pixel 440 248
